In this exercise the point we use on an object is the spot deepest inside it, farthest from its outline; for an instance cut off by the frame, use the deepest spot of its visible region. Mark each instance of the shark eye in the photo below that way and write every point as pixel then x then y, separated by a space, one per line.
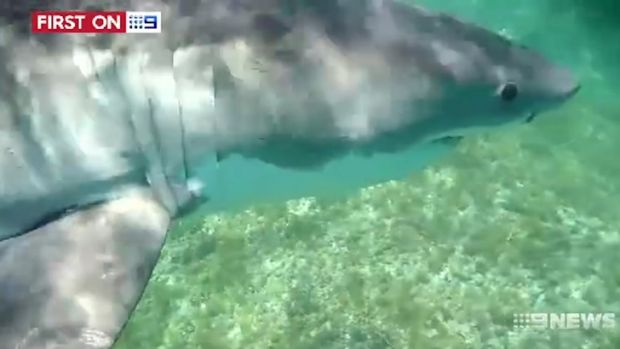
pixel 509 92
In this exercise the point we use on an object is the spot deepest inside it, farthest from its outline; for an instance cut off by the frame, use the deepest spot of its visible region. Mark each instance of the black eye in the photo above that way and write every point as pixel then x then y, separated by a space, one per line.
pixel 509 92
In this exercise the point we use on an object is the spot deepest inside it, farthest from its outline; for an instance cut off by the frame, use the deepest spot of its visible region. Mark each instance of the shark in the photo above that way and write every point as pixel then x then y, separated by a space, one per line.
pixel 106 140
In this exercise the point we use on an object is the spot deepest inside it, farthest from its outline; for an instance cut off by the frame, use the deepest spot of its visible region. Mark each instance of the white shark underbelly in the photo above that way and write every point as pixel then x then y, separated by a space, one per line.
pixel 59 149
pixel 84 135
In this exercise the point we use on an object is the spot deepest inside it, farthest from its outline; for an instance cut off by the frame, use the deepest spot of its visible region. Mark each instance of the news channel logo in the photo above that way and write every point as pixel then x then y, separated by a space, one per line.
pixel 564 321
pixel 143 22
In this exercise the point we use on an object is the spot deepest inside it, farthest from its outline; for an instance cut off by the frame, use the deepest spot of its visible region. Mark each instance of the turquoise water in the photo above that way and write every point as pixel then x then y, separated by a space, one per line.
pixel 516 221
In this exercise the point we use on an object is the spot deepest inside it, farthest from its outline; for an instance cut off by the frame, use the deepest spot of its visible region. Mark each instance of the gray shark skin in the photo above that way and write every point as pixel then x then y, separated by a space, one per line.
pixel 104 139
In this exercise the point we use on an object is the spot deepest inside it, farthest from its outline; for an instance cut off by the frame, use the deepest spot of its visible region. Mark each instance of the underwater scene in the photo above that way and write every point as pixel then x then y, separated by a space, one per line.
pixel 468 253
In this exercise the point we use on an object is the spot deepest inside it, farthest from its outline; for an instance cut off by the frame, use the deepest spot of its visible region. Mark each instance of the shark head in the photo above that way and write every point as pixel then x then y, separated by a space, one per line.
pixel 457 74
pixel 486 80
pixel 381 75
pixel 328 77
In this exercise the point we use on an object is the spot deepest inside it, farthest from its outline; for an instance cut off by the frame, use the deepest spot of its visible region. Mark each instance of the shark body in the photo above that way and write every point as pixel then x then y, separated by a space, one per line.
pixel 103 138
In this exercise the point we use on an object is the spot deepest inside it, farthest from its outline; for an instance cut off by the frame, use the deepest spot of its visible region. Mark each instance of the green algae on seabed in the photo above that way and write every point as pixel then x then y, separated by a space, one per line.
pixel 439 261
pixel 521 220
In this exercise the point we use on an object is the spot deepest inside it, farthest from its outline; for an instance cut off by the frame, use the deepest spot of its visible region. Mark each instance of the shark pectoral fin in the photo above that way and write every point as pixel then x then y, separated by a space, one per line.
pixel 73 283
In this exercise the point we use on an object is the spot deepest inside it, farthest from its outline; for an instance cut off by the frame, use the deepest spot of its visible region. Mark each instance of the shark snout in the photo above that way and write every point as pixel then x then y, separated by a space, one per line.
pixel 558 86
pixel 563 84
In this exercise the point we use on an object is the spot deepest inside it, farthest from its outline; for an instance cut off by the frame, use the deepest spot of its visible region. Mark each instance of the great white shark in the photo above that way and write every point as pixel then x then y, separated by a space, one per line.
pixel 104 140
